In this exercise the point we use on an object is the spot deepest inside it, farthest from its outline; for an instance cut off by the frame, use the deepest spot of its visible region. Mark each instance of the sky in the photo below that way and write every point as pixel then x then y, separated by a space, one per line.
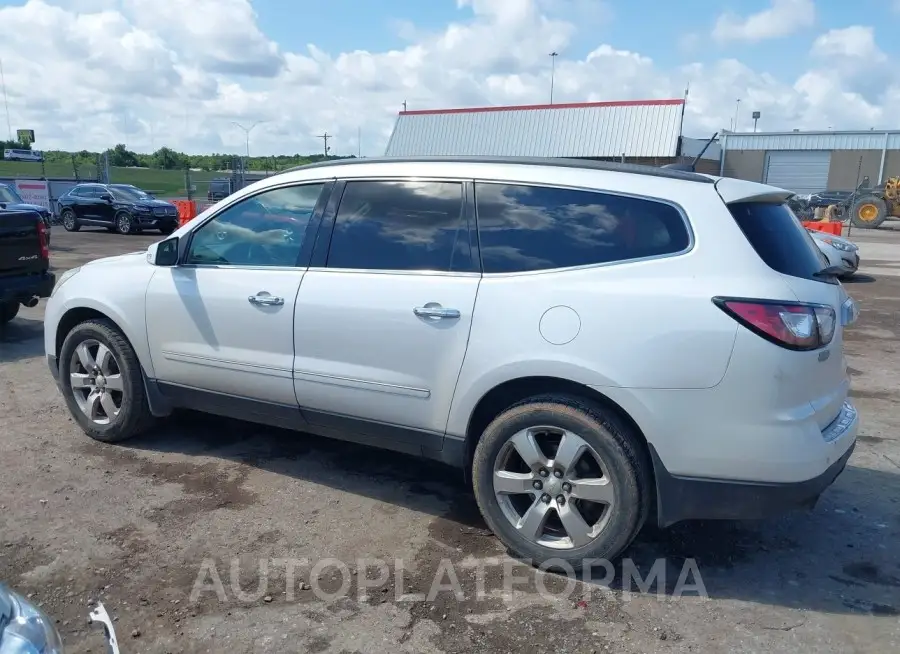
pixel 88 74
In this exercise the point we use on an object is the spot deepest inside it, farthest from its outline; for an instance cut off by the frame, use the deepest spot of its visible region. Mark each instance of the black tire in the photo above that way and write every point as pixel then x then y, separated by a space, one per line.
pixel 134 416
pixel 168 229
pixel 69 220
pixel 868 212
pixel 628 469
pixel 125 223
pixel 8 311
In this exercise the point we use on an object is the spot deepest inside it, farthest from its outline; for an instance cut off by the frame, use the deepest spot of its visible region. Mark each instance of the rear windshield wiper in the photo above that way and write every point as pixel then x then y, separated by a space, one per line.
pixel 830 271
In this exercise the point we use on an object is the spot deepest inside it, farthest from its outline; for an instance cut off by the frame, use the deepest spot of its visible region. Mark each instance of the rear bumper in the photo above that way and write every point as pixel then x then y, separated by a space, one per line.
pixel 685 498
pixel 26 287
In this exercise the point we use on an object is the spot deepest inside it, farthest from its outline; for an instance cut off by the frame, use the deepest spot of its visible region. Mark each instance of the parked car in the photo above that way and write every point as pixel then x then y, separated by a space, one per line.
pixel 10 200
pixel 219 189
pixel 25 628
pixel 553 327
pixel 840 253
pixel 23 155
pixel 118 207
pixel 25 275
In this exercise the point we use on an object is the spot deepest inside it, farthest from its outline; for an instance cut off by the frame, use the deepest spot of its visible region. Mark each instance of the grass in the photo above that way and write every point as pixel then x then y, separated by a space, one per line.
pixel 165 183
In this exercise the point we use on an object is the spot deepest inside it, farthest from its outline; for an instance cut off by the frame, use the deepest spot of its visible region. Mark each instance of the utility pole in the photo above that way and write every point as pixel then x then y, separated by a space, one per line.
pixel 553 56
pixel 5 100
pixel 325 138
pixel 247 131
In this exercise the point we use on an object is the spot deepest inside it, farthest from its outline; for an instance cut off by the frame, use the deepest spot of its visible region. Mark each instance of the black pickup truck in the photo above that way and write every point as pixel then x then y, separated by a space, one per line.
pixel 25 275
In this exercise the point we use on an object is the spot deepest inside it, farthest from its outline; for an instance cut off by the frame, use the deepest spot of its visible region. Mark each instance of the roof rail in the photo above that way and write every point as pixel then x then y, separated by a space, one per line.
pixel 588 164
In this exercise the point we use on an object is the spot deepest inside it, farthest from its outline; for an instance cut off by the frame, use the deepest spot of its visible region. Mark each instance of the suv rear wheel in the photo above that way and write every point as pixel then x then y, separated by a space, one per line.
pixel 69 220
pixel 102 383
pixel 560 479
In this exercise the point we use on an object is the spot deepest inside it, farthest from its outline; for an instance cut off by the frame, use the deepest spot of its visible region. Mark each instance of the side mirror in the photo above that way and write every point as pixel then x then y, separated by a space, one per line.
pixel 107 197
pixel 164 253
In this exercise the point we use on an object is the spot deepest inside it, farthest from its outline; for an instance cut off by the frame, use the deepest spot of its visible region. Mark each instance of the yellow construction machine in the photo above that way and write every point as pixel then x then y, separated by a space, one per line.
pixel 871 207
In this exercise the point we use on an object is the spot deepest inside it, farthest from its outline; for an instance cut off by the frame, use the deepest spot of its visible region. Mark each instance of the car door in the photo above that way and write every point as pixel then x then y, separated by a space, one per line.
pixel 90 202
pixel 383 316
pixel 77 200
pixel 103 209
pixel 222 320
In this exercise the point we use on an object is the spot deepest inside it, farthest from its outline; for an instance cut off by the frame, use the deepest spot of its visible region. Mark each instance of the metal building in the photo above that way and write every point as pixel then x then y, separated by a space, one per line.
pixel 808 162
pixel 639 131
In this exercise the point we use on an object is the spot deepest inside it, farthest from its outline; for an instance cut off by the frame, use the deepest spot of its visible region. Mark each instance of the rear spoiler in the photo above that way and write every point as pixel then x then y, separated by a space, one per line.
pixel 737 190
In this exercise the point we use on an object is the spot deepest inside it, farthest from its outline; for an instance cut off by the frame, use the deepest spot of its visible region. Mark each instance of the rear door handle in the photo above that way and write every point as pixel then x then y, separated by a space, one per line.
pixel 436 312
pixel 265 299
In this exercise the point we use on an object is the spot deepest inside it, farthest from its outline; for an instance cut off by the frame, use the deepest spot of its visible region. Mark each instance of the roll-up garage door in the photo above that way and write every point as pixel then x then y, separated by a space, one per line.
pixel 801 171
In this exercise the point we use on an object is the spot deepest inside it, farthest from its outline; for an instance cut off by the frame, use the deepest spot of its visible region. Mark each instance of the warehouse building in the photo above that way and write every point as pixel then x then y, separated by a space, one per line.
pixel 808 162
pixel 634 131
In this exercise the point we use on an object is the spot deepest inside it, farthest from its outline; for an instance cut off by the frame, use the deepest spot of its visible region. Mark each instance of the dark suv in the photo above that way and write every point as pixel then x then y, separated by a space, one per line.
pixel 219 189
pixel 118 207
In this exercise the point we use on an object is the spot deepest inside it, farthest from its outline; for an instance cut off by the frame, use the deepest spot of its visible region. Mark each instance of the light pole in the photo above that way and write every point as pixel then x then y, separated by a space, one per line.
pixel 737 107
pixel 247 131
pixel 553 56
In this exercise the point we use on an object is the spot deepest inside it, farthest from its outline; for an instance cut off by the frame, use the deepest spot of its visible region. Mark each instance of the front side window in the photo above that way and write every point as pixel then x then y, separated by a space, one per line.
pixel 401 225
pixel 263 230
pixel 525 228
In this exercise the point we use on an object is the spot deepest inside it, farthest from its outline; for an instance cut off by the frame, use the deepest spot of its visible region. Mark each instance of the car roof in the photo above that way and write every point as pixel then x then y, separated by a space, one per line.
pixel 555 162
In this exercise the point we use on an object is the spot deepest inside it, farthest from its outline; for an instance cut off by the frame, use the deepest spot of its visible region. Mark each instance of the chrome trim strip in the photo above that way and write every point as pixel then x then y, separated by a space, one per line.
pixel 362 384
pixel 228 364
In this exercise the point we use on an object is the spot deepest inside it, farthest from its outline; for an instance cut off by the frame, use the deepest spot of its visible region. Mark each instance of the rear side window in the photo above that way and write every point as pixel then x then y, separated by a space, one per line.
pixel 523 228
pixel 401 225
pixel 778 238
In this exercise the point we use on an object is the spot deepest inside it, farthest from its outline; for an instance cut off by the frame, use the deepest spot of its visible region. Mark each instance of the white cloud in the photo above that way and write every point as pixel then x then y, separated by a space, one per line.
pixel 784 17
pixel 856 41
pixel 87 74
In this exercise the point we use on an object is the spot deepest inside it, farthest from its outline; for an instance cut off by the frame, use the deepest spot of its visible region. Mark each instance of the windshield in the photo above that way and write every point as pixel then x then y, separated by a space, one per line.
pixel 9 196
pixel 128 193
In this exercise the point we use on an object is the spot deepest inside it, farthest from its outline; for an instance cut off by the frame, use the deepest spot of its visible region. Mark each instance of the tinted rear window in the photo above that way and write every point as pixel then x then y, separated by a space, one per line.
pixel 525 228
pixel 778 238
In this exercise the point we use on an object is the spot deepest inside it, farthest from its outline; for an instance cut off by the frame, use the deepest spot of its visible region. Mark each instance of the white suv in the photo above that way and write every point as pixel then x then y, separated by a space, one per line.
pixel 594 344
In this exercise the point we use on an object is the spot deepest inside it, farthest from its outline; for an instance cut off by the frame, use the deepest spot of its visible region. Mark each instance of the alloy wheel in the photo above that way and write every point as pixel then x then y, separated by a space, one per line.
pixel 124 224
pixel 553 487
pixel 96 381
pixel 69 220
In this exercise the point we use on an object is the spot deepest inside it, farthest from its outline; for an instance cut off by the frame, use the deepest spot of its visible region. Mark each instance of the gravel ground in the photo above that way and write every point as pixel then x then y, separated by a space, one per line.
pixel 172 532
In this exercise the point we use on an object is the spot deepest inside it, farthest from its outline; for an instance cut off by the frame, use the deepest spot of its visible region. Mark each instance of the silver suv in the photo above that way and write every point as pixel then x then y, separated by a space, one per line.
pixel 596 345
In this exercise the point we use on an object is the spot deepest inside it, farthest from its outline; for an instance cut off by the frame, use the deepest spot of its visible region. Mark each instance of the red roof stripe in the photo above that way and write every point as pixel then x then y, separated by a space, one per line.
pixel 529 107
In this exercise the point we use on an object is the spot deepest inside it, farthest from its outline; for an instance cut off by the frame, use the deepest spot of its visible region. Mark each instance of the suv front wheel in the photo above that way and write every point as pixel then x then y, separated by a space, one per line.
pixel 560 479
pixel 101 381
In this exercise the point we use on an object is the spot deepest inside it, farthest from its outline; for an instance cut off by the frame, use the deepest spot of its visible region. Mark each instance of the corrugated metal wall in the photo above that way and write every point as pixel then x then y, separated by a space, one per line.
pixel 635 130
pixel 813 141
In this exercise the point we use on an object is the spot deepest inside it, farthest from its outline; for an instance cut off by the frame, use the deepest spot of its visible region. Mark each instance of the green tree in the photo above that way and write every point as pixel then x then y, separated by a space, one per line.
pixel 122 157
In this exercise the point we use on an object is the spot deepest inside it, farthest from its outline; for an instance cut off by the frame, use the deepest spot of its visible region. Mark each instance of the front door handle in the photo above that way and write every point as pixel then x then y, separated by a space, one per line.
pixel 264 299
pixel 436 312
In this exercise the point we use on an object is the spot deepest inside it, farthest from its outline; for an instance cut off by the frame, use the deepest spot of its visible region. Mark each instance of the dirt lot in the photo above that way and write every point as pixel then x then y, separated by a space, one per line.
pixel 135 526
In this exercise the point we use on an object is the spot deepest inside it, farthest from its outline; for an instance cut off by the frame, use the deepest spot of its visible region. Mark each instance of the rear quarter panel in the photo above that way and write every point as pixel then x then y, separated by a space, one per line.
pixel 641 325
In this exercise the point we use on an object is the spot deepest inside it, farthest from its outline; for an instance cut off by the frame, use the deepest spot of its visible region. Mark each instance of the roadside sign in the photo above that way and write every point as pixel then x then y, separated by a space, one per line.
pixel 25 136
pixel 34 192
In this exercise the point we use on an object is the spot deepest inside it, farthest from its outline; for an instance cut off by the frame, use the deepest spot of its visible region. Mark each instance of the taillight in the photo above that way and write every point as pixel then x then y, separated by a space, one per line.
pixel 793 325
pixel 42 236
